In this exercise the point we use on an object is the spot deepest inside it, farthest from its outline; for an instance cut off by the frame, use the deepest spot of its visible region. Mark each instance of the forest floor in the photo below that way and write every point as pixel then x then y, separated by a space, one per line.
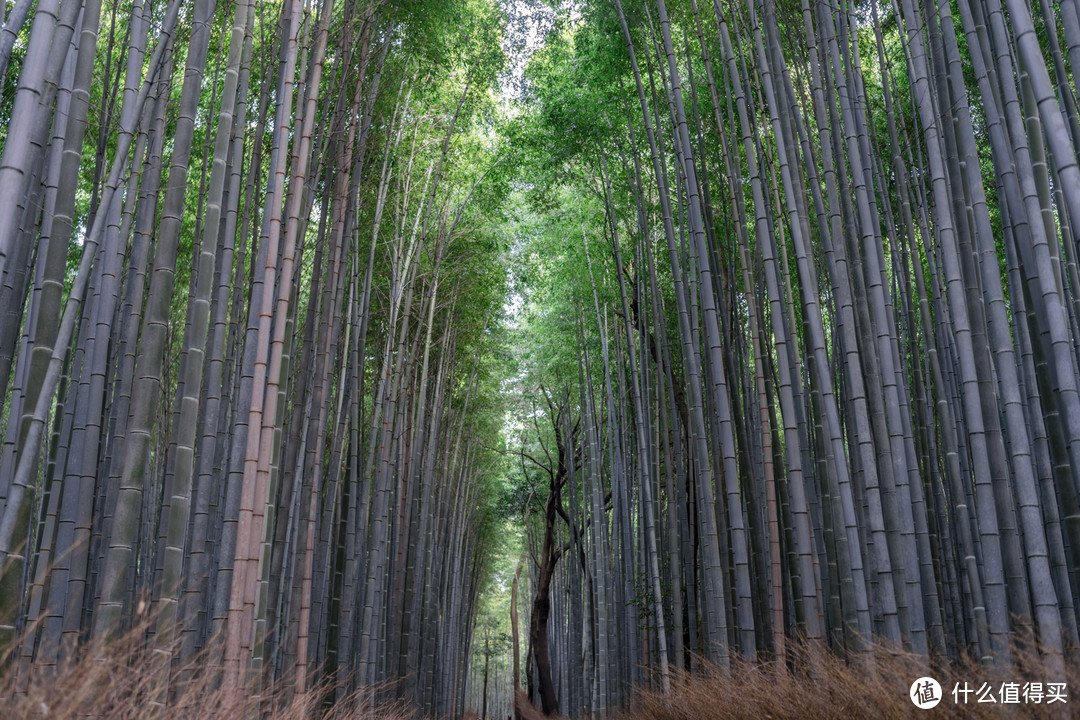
pixel 119 685
pixel 834 688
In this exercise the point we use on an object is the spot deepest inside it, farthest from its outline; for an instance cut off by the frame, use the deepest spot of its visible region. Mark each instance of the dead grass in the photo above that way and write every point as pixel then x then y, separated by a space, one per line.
pixel 119 684
pixel 829 687
pixel 120 681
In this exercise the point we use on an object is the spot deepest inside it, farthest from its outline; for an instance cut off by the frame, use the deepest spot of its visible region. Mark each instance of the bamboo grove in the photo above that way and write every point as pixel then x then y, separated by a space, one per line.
pixel 248 284
pixel 802 282
pixel 762 318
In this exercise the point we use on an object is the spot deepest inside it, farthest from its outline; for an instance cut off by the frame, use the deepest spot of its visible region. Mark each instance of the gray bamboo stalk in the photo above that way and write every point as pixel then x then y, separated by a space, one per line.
pixel 820 366
pixel 28 126
pixel 186 425
pixel 35 431
pixel 645 479
pixel 988 526
pixel 13 23
pixel 254 488
pixel 716 626
pixel 151 350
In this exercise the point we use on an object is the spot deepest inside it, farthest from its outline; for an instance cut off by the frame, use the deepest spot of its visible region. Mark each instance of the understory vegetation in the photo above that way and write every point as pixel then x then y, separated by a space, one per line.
pixel 593 358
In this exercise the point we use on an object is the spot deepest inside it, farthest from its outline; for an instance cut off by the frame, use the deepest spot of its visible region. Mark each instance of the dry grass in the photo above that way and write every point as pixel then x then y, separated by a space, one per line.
pixel 830 687
pixel 119 683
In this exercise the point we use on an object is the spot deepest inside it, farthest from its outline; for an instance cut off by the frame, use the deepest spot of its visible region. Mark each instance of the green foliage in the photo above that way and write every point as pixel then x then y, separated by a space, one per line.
pixel 9 82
